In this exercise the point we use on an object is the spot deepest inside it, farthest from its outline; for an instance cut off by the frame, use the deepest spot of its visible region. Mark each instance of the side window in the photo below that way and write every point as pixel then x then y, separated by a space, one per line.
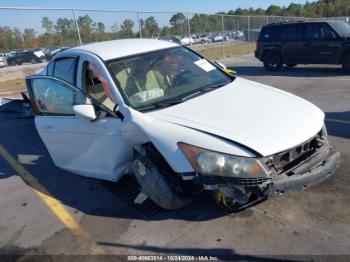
pixel 97 86
pixel 65 69
pixel 289 33
pixel 319 32
pixel 328 32
pixel 53 97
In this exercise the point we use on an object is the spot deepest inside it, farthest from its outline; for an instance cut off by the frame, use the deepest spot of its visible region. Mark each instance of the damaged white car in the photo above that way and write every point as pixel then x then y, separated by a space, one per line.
pixel 177 122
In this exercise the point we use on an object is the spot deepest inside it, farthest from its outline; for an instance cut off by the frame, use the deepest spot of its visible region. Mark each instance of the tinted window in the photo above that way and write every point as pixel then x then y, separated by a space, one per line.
pixel 269 34
pixel 289 33
pixel 318 32
pixel 65 69
pixel 54 97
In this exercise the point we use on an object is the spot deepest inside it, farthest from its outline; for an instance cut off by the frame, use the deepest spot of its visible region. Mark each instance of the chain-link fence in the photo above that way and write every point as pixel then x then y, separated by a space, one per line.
pixel 30 36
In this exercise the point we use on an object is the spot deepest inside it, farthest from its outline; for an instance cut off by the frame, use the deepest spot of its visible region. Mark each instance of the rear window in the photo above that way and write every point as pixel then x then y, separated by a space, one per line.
pixel 269 34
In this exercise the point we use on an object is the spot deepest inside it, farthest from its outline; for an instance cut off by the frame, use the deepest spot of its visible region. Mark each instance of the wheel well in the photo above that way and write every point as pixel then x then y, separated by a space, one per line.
pixel 346 52
pixel 173 178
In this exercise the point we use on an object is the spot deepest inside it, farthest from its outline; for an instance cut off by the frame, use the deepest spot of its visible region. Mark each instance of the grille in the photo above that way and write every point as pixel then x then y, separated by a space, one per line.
pixel 288 159
pixel 214 180
pixel 251 182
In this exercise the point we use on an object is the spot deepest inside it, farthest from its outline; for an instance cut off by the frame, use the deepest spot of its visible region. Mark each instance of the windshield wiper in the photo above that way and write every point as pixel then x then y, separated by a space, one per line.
pixel 172 102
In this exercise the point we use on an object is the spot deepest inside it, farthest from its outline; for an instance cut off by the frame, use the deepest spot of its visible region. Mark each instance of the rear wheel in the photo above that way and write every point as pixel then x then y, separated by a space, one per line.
pixel 272 61
pixel 346 63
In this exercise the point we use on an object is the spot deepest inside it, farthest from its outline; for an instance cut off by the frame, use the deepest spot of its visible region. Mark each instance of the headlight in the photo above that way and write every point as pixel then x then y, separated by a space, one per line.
pixel 213 163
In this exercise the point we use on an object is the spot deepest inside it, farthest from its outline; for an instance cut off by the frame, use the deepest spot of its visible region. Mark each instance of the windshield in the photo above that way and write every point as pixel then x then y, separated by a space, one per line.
pixel 165 77
pixel 341 27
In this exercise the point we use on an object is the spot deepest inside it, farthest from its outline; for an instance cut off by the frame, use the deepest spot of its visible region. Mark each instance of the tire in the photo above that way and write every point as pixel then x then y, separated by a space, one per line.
pixel 272 61
pixel 291 65
pixel 155 186
pixel 346 63
pixel 33 61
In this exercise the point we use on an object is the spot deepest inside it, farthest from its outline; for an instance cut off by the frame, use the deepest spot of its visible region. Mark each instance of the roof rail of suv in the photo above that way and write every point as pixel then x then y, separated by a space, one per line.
pixel 287 22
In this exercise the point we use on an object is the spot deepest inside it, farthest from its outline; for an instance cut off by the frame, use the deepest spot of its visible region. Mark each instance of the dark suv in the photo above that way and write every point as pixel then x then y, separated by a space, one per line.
pixel 317 42
pixel 23 57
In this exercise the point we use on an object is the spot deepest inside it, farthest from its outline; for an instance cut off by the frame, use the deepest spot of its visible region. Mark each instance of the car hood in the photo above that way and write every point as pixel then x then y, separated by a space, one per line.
pixel 260 117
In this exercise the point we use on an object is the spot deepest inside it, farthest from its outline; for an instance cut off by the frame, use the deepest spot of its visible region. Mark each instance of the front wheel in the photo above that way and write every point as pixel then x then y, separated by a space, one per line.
pixel 346 63
pixel 155 185
pixel 272 61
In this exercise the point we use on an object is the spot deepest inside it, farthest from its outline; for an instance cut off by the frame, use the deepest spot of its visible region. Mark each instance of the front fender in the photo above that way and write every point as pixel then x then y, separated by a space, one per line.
pixel 139 128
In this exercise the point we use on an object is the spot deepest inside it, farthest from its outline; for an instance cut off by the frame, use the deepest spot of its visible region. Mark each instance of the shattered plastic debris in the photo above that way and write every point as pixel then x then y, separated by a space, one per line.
pixel 141 197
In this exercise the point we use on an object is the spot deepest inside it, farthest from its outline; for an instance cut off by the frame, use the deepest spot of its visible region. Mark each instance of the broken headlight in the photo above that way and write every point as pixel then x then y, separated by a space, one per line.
pixel 214 163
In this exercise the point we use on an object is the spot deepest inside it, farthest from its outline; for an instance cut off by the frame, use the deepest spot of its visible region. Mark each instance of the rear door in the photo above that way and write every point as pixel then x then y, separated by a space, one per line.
pixel 292 43
pixel 89 148
pixel 320 45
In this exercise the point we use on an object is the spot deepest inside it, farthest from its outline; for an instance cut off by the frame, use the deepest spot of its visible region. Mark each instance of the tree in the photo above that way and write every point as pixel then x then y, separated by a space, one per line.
pixel 178 22
pixel 101 28
pixel 274 10
pixel 85 26
pixel 126 29
pixel 294 9
pixel 149 27
pixel 18 40
pixel 29 40
pixel 47 24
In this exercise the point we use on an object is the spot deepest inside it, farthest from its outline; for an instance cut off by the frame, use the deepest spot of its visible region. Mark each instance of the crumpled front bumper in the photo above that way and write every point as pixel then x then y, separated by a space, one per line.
pixel 299 181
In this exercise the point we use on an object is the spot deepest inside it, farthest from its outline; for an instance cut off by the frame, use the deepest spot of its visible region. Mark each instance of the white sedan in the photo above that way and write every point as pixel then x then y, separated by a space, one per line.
pixel 177 122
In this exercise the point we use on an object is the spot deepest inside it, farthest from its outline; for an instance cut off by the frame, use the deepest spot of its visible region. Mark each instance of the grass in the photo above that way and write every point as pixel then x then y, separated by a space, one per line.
pixel 12 88
pixel 230 50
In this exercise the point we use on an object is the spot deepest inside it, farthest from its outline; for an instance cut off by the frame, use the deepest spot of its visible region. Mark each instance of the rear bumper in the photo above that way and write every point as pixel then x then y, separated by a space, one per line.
pixel 310 178
pixel 257 55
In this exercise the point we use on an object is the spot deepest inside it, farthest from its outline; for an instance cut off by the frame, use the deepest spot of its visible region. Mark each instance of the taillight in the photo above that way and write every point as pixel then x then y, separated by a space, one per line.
pixel 257 45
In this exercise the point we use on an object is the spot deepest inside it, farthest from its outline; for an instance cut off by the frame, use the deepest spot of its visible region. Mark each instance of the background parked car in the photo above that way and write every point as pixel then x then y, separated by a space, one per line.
pixel 3 62
pixel 171 38
pixel 186 40
pixel 22 58
pixel 316 42
pixel 203 38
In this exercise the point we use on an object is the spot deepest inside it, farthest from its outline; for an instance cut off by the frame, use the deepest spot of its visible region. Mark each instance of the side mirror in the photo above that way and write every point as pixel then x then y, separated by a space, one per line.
pixel 86 111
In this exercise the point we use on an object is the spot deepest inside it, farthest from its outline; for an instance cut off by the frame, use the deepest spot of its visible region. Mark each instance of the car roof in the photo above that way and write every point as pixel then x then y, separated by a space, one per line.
pixel 302 22
pixel 120 48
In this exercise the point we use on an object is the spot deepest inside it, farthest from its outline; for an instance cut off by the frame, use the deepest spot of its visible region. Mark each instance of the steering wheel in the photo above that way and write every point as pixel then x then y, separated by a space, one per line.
pixel 181 78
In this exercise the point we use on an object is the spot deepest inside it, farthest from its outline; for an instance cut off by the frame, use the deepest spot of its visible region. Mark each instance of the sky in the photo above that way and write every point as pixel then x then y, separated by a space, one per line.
pixel 32 18
pixel 209 6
